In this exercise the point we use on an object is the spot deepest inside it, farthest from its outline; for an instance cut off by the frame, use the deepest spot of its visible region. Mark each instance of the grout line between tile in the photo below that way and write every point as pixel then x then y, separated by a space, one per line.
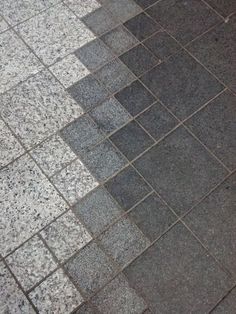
pixel 221 299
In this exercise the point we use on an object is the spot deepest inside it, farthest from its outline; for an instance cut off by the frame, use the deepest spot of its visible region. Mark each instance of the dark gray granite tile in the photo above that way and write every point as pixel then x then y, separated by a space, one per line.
pixel 185 20
pixel 223 7
pixel 139 59
pixel 85 309
pixel 81 134
pixel 127 188
pixel 135 98
pixel 214 221
pixel 88 92
pixel 157 121
pixel 142 26
pixel 122 9
pixel 180 169
pixel 132 140
pixel 180 83
pixel 145 3
pixel 227 305
pixel 176 275
pixel 152 217
pixel 90 269
pixel 215 126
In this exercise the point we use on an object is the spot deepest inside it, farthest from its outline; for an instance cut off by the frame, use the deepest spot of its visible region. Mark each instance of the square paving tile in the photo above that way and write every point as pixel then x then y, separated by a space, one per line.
pixel 184 20
pixel 12 299
pixel 122 9
pixel 157 121
pixel 94 55
pixel 53 155
pixel 88 92
pixel 180 169
pixel 127 188
pixel 100 21
pixel 142 26
pixel 139 60
pixel 81 134
pixel 55 33
pixel 27 199
pixel 103 160
pixel 145 3
pixel 180 83
pixel 223 7
pixel 152 217
pixel 83 7
pixel 216 50
pixel 135 98
pixel 213 221
pixel 74 181
pixel 56 294
pixel 176 275
pixel 115 75
pixel 31 262
pixel 10 148
pixel 215 126
pixel 17 62
pixel 119 40
pixel 227 305
pixel 132 140
pixel 97 210
pixel 37 108
pixel 123 241
pixel 118 298
pixel 90 269
pixel 86 308
pixel 110 115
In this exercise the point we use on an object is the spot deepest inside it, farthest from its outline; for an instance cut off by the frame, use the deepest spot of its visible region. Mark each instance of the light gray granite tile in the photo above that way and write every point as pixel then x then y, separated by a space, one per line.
pixel 55 33
pixel 53 155
pixel 69 70
pixel 28 202
pixel 17 62
pixel 9 146
pixel 31 262
pixel 83 7
pixel 12 299
pixel 3 25
pixel 75 181
pixel 66 235
pixel 37 108
pixel 56 294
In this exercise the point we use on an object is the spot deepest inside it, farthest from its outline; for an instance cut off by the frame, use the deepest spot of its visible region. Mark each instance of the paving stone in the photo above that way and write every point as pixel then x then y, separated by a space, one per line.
pixel 12 299
pixel 27 199
pixel 110 115
pixel 56 294
pixel 31 262
pixel 55 33
pixel 53 155
pixel 119 40
pixel 74 181
pixel 90 269
pixel 83 7
pixel 97 210
pixel 139 60
pixel 118 298
pixel 216 50
pixel 10 148
pixel 94 55
pixel 123 241
pixel 132 140
pixel 69 70
pixel 157 121
pixel 3 25
pixel 142 26
pixel 81 134
pixel 100 21
pixel 85 309
pixel 103 160
pixel 122 9
pixel 152 217
pixel 162 45
pixel 17 62
pixel 145 3
pixel 180 83
pixel 223 7
pixel 37 108
pixel 88 92
pixel 227 305
pixel 135 98
pixel 114 75
pixel 180 169
pixel 176 275
pixel 184 20
pixel 213 221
